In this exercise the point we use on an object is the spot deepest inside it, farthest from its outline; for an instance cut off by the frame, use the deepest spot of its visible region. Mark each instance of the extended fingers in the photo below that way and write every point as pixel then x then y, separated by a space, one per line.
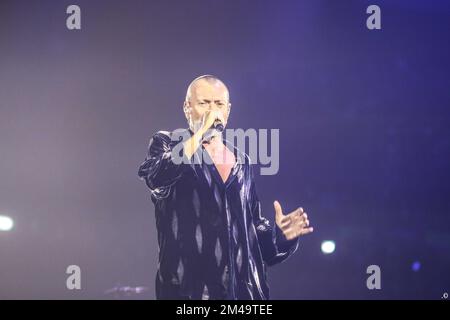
pixel 299 216
pixel 293 222
pixel 292 233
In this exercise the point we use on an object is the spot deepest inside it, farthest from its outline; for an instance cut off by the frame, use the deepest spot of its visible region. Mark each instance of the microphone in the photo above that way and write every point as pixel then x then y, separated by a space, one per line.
pixel 218 125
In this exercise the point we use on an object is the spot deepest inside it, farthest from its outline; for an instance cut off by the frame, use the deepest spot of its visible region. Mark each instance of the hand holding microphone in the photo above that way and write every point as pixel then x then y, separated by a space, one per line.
pixel 213 119
pixel 212 122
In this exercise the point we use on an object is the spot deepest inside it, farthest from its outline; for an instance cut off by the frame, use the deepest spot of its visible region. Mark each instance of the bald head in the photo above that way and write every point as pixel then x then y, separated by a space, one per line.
pixel 207 81
pixel 206 93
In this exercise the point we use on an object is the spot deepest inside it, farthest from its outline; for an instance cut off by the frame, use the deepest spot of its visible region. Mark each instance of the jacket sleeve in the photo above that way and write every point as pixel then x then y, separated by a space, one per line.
pixel 274 246
pixel 162 166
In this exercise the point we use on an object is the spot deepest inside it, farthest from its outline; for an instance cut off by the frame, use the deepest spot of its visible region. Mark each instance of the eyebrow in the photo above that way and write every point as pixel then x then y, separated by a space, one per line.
pixel 207 100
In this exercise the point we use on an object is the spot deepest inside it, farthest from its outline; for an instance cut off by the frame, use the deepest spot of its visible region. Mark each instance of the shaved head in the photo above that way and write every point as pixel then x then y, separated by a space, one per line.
pixel 205 94
pixel 209 80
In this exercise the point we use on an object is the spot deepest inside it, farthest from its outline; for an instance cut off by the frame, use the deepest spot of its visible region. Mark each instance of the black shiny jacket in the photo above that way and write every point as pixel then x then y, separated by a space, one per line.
pixel 213 241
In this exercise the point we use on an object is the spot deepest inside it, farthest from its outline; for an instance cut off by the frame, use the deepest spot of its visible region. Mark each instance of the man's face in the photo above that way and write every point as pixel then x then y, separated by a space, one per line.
pixel 207 96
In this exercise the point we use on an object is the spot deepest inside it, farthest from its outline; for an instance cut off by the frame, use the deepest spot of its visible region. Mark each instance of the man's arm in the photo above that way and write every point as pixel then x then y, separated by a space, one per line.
pixel 275 248
pixel 191 145
pixel 163 166
pixel 159 170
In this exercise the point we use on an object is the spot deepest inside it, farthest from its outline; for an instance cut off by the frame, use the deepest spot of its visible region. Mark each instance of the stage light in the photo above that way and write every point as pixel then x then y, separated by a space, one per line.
pixel 6 223
pixel 328 247
pixel 415 266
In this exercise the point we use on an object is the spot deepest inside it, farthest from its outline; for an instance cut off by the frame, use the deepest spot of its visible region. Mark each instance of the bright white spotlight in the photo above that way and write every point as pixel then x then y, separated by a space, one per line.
pixel 6 223
pixel 328 247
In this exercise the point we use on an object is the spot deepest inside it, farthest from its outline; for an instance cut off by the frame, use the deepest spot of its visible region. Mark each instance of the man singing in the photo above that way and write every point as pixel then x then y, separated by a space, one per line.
pixel 213 241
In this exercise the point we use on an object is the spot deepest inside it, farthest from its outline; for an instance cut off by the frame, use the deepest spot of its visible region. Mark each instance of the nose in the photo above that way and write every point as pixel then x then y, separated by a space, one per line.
pixel 213 105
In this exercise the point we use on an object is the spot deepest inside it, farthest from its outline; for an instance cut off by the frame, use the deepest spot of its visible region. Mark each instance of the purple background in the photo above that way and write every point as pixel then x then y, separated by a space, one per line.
pixel 363 115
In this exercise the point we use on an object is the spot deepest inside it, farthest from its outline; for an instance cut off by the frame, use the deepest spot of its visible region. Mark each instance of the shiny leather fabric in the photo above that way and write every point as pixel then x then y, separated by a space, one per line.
pixel 213 241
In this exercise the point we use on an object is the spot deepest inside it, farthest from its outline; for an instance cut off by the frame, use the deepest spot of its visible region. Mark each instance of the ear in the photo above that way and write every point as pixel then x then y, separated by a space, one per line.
pixel 186 109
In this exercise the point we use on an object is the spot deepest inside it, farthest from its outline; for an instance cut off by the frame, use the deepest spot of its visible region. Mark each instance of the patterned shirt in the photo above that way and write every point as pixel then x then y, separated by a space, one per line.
pixel 213 241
